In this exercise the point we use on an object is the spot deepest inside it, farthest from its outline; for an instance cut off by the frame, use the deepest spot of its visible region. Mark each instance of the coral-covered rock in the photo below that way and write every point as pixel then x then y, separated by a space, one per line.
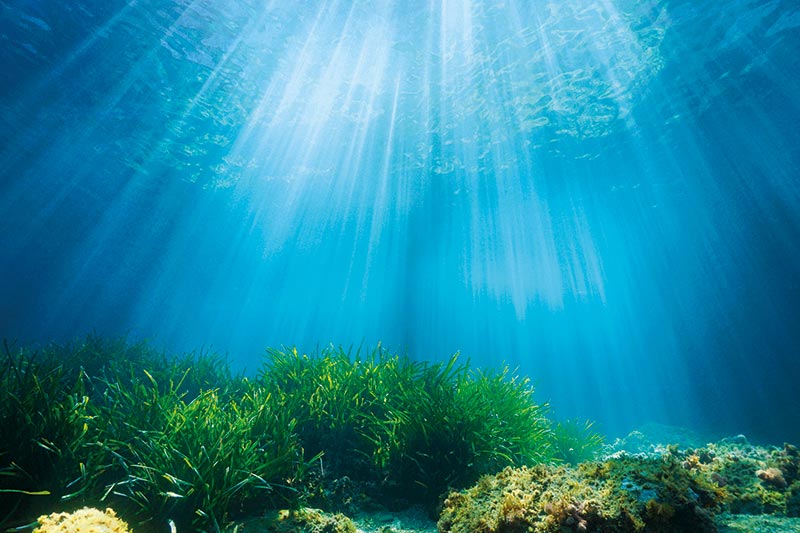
pixel 86 520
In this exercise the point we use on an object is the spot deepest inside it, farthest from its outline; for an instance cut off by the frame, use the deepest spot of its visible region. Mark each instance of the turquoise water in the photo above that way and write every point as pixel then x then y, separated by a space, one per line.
pixel 604 193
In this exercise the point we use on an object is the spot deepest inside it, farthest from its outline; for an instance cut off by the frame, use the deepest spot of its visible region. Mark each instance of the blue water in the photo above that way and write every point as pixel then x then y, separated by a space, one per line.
pixel 604 193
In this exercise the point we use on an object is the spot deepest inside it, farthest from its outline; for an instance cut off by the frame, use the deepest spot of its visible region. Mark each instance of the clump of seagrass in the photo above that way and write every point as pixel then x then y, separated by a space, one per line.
pixel 575 441
pixel 416 427
pixel 161 438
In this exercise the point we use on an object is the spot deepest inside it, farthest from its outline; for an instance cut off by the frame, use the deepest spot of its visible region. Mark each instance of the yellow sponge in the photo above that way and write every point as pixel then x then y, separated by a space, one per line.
pixel 86 520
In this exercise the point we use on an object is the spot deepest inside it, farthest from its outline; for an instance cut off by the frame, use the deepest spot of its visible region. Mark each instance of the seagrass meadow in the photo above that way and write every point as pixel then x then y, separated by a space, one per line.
pixel 106 422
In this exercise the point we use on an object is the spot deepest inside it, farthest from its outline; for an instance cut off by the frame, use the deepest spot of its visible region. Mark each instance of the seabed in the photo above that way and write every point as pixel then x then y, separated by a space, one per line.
pixel 336 442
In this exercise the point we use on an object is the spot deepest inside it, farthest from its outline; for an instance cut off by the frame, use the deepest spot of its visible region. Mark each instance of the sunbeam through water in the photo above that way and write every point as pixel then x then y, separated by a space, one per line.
pixel 603 193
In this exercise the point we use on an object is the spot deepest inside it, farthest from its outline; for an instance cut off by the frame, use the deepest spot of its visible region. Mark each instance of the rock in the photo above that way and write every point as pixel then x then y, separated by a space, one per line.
pixel 305 520
pixel 772 477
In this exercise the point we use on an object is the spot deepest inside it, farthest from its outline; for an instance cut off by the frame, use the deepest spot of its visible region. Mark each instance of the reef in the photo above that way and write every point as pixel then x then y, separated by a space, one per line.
pixel 665 490
pixel 617 496
pixel 757 480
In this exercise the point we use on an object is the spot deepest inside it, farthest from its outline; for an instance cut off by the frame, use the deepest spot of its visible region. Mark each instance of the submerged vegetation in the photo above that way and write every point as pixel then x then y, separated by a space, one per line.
pixel 161 438
pixel 106 422
pixel 576 441
pixel 418 427
pixel 181 441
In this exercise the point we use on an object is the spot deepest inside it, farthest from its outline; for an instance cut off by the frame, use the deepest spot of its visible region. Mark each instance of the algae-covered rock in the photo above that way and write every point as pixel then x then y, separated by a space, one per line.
pixel 86 520
pixel 304 520
pixel 665 489
pixel 624 495
pixel 756 479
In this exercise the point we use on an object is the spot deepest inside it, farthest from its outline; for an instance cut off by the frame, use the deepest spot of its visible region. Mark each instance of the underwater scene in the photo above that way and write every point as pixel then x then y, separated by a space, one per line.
pixel 400 266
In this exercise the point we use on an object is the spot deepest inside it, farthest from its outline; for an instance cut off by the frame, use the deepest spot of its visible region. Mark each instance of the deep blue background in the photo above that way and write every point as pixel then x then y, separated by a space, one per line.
pixel 607 196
